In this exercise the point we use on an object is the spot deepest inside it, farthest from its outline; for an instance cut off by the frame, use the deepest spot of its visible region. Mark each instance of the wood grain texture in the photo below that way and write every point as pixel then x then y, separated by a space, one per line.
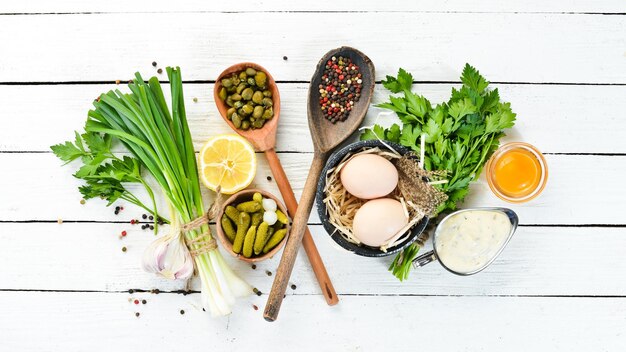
pixel 317 265
pixel 45 115
pixel 579 190
pixel 506 323
pixel 434 46
pixel 557 285
pixel 298 228
pixel 492 6
pixel 554 261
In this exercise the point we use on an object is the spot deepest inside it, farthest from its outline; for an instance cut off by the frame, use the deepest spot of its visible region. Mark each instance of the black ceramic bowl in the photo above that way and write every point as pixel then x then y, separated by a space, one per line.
pixel 362 250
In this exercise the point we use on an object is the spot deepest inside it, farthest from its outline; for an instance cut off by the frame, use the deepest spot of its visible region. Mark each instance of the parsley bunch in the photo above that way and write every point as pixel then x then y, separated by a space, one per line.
pixel 104 173
pixel 460 135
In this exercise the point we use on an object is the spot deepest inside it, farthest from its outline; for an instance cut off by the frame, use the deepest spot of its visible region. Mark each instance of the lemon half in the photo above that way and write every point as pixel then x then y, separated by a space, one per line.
pixel 227 161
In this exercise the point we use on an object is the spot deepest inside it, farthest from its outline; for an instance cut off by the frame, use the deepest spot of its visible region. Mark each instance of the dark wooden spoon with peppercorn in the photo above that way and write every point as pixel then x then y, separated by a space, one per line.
pixel 326 135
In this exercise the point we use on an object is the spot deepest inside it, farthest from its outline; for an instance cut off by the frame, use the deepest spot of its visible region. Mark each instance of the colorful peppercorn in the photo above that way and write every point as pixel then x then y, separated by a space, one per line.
pixel 340 88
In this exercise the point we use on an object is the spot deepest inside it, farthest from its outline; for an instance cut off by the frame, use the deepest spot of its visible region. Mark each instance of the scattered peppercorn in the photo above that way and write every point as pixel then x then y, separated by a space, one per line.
pixel 82 201
pixel 116 211
pixel 257 292
pixel 150 217
pixel 293 286
pixel 123 233
pixel 137 314
pixel 269 178
pixel 269 273
pixel 143 301
pixel 255 307
pixel 123 249
pixel 155 291
pixel 159 71
pixel 182 312
pixel 195 100
pixel 151 227
pixel 131 291
pixel 136 301
pixel 154 63
pixel 285 58
pixel 144 216
pixel 253 266
pixel 340 88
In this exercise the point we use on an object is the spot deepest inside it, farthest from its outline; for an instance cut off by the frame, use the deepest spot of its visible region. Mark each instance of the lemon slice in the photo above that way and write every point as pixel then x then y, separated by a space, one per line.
pixel 228 161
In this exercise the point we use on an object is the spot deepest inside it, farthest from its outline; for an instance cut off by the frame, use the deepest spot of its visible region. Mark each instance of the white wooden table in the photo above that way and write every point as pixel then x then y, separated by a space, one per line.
pixel 559 285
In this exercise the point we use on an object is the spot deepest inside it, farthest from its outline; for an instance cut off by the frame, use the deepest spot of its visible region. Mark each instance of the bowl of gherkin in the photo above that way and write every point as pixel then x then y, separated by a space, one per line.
pixel 252 225
pixel 247 97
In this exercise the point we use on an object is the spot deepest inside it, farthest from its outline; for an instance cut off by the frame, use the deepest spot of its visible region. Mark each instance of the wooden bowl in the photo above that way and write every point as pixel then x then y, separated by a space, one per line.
pixel 265 137
pixel 243 196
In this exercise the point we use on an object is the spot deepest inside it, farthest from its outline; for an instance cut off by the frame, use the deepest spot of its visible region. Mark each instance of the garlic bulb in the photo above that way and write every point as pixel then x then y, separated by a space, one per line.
pixel 169 257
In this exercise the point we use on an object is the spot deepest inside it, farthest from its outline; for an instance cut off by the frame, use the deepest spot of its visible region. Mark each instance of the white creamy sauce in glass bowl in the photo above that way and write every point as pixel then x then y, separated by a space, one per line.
pixel 469 240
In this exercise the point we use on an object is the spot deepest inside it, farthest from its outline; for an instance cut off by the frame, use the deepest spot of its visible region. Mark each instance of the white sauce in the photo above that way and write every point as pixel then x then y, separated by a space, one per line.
pixel 467 241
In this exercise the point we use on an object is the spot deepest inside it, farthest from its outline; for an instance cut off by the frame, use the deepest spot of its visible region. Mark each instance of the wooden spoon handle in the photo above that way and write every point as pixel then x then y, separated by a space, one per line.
pixel 275 299
pixel 328 290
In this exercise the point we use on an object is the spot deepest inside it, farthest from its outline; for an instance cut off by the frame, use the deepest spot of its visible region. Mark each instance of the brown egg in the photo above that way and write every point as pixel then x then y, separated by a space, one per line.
pixel 379 220
pixel 369 176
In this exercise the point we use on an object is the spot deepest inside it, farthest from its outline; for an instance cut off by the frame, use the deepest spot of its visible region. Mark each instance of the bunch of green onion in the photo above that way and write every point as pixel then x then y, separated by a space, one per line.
pixel 161 141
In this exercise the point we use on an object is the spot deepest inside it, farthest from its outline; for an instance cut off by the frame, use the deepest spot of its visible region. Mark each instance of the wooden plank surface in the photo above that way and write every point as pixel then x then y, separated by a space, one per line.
pixel 544 111
pixel 540 48
pixel 568 199
pixel 539 261
pixel 359 323
pixel 493 6
pixel 562 65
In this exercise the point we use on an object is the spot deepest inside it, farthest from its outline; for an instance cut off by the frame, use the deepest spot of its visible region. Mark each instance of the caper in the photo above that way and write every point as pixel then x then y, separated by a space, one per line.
pixel 231 90
pixel 229 101
pixel 260 78
pixel 247 93
pixel 257 97
pixel 267 93
pixel 238 104
pixel 247 109
pixel 258 112
pixel 267 102
pixel 235 97
pixel 235 80
pixel 243 76
pixel 226 82
pixel 241 87
pixel 268 113
pixel 250 71
pixel 245 125
pixel 236 120
pixel 251 81
pixel 258 123
pixel 230 112
pixel 222 93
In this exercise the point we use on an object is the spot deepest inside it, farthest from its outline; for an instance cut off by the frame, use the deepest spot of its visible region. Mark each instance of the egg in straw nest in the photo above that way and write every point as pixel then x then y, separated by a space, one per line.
pixel 380 220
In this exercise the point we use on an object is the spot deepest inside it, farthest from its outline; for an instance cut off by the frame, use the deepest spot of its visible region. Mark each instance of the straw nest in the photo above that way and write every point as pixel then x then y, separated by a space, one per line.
pixel 414 191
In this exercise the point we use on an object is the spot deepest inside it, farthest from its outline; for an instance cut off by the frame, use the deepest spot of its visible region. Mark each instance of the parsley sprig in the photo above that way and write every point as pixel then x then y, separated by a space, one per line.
pixel 104 173
pixel 460 135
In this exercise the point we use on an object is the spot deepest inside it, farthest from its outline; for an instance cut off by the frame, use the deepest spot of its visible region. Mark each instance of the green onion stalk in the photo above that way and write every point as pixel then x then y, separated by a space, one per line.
pixel 161 141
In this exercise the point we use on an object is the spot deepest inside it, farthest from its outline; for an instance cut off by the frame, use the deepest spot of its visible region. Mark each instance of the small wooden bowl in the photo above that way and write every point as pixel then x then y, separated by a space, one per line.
pixel 244 196
pixel 265 137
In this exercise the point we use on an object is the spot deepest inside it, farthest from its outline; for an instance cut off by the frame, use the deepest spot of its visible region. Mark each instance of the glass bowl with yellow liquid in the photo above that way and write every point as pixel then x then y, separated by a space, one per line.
pixel 517 172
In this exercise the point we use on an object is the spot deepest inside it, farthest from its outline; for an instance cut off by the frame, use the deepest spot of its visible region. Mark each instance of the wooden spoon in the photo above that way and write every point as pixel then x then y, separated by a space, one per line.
pixel 326 136
pixel 264 140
